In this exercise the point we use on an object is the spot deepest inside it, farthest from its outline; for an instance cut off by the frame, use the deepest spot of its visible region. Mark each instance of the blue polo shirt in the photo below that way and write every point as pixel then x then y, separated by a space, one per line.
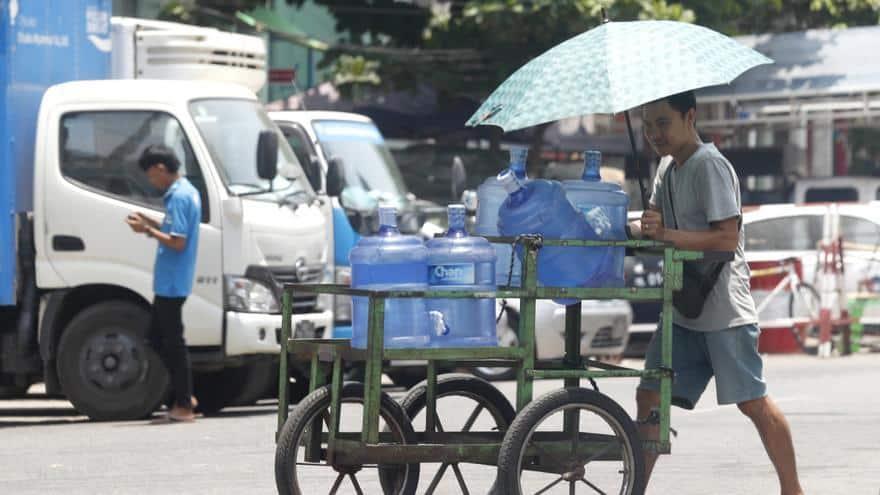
pixel 174 270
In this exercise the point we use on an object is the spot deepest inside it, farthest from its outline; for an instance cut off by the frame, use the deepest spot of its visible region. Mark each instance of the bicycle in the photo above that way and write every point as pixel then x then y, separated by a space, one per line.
pixel 803 303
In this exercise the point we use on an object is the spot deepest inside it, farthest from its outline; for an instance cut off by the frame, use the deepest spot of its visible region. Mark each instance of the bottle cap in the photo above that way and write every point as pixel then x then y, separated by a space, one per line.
pixel 456 215
pixel 509 181
pixel 592 163
pixel 518 156
pixel 387 216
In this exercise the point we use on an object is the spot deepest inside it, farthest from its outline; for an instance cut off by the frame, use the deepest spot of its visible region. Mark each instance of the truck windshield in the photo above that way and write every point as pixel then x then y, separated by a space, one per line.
pixel 230 129
pixel 367 162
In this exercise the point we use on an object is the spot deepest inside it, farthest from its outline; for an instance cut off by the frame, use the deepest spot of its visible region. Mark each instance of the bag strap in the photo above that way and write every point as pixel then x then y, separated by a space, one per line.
pixel 667 178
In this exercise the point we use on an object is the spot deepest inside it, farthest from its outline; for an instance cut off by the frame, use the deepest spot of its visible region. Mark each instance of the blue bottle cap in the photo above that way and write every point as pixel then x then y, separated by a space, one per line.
pixel 456 214
pixel 518 156
pixel 388 216
pixel 592 163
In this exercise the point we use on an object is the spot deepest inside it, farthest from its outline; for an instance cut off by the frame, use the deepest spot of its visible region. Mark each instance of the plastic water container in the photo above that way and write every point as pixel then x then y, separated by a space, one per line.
pixel 540 207
pixel 389 260
pixel 458 261
pixel 490 195
pixel 604 206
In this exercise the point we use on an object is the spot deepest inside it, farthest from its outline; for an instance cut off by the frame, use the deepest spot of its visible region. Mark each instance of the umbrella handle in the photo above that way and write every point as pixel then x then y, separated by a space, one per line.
pixel 632 143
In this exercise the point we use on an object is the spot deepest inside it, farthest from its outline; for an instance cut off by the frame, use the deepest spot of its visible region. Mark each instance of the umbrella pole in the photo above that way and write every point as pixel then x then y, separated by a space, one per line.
pixel 632 143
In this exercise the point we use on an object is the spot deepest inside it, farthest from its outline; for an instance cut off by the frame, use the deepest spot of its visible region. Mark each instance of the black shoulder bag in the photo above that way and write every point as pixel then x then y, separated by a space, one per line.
pixel 698 277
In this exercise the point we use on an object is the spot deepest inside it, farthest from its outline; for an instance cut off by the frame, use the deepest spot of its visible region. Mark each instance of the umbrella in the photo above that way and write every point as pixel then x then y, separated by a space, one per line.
pixel 613 68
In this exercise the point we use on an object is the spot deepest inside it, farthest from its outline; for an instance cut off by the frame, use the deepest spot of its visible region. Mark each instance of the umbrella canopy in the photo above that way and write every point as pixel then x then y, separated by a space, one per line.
pixel 612 68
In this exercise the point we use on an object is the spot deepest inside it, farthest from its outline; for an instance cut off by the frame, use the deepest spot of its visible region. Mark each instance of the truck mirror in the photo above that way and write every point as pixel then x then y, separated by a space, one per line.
pixel 313 172
pixel 335 183
pixel 267 155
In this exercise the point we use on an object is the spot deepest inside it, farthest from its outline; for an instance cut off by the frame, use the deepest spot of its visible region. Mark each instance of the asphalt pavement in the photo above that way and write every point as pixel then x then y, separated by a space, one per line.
pixel 833 406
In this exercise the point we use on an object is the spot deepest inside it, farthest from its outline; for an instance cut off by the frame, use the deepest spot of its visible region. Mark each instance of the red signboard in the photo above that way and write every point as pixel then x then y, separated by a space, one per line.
pixel 282 75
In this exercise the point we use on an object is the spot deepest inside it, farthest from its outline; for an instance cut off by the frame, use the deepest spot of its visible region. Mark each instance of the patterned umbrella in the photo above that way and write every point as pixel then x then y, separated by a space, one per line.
pixel 613 68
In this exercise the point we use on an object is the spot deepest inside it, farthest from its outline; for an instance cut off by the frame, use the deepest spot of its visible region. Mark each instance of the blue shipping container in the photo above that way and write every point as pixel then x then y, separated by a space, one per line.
pixel 42 42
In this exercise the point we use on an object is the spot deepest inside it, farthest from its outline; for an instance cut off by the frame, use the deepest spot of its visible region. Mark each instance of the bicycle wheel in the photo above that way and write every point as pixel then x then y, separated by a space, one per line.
pixel 293 471
pixel 540 455
pixel 804 302
pixel 464 403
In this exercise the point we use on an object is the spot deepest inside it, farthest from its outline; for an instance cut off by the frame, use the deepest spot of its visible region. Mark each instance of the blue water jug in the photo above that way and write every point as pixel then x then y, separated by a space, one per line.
pixel 540 207
pixel 490 195
pixel 458 261
pixel 389 260
pixel 604 206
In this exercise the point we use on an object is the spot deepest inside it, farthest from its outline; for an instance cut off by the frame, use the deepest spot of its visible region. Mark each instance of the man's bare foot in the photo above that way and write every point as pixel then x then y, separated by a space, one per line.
pixel 178 413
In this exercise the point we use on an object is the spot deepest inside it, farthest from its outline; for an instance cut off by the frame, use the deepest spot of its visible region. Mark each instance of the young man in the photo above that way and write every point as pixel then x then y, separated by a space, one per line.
pixel 700 198
pixel 178 239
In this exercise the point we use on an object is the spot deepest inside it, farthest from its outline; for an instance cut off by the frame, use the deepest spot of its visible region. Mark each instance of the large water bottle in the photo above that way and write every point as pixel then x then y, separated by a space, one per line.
pixel 490 195
pixel 604 206
pixel 461 262
pixel 389 260
pixel 540 207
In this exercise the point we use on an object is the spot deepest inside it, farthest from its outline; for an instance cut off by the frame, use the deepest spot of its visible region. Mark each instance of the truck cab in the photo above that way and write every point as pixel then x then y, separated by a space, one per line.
pixel 75 281
pixel 255 234
pixel 346 156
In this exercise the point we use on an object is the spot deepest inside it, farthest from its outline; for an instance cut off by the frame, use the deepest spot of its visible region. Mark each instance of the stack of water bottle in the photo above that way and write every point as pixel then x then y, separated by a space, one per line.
pixel 456 261
pixel 510 204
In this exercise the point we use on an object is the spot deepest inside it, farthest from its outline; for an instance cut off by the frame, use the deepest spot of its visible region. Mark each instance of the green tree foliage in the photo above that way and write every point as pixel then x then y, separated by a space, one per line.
pixel 735 17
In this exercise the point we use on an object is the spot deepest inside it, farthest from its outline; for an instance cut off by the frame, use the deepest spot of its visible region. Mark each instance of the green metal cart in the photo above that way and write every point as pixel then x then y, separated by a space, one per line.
pixel 552 443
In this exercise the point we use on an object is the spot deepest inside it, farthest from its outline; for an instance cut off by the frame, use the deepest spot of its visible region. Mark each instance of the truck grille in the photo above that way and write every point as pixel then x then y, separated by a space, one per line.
pixel 280 275
pixel 605 338
pixel 303 303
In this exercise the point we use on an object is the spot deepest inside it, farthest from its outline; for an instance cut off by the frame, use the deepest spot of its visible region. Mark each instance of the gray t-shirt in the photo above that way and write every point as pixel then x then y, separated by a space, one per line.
pixel 704 190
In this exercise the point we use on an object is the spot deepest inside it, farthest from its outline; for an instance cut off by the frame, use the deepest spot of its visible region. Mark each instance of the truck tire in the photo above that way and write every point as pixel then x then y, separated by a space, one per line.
pixel 106 367
pixel 239 386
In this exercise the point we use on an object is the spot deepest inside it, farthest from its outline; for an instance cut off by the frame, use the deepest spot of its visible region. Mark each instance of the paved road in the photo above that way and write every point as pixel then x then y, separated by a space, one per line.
pixel 833 405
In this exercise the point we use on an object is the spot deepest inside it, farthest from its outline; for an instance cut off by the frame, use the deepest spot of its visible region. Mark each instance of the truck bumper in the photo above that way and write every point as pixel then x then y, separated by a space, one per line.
pixel 256 333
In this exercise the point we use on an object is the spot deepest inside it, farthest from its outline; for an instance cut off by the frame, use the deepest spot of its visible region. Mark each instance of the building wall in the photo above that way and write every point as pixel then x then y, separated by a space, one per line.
pixel 317 22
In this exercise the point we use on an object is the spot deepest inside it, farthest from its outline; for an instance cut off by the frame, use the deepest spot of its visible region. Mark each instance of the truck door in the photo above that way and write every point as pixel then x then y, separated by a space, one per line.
pixel 99 184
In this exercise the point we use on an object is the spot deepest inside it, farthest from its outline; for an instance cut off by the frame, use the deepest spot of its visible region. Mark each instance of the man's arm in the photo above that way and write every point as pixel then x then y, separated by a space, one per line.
pixel 722 236
pixel 150 222
pixel 175 242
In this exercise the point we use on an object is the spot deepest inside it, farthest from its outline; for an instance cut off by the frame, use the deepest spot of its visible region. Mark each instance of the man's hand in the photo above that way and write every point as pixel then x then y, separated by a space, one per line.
pixel 147 221
pixel 136 223
pixel 652 225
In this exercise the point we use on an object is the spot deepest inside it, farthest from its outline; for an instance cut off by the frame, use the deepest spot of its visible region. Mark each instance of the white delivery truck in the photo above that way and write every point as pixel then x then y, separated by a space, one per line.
pixel 75 282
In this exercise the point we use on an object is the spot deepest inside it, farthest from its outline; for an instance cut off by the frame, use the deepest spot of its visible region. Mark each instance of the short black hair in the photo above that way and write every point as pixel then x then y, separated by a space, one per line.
pixel 681 102
pixel 155 154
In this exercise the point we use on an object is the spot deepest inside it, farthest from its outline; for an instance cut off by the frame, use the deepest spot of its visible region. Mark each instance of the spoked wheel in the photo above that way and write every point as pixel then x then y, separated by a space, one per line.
pixel 805 302
pixel 297 473
pixel 464 403
pixel 599 451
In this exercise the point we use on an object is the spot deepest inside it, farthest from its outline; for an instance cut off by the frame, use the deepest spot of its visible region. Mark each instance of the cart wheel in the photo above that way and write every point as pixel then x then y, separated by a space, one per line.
pixel 464 403
pixel 296 475
pixel 538 455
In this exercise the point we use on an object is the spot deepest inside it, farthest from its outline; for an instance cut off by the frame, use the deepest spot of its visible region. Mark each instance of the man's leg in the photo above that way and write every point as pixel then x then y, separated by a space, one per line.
pixel 176 353
pixel 739 379
pixel 776 435
pixel 692 374
pixel 646 401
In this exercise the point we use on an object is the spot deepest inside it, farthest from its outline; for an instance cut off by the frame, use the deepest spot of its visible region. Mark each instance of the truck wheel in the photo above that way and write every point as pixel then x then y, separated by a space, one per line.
pixel 260 376
pixel 105 365
pixel 217 389
pixel 239 386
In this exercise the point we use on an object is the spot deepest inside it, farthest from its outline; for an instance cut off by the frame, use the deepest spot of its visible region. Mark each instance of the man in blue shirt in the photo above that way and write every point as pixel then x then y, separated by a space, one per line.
pixel 178 237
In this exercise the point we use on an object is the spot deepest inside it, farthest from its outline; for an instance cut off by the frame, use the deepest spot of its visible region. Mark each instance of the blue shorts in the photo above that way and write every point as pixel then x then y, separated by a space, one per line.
pixel 730 355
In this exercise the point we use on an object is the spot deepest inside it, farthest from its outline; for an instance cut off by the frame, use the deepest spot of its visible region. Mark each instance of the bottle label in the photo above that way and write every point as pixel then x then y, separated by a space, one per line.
pixel 452 274
pixel 598 220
